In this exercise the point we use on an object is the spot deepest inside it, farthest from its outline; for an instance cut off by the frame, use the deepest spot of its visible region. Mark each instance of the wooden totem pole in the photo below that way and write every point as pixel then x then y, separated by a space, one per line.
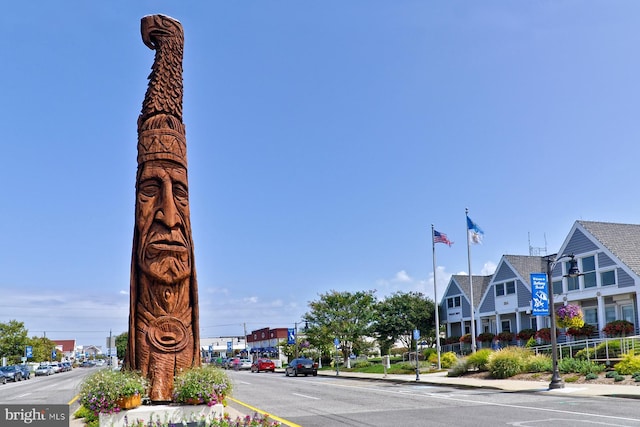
pixel 163 314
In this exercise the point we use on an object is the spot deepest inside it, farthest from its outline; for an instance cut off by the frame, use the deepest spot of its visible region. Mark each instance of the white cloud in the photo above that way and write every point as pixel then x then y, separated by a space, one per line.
pixel 488 268
pixel 402 276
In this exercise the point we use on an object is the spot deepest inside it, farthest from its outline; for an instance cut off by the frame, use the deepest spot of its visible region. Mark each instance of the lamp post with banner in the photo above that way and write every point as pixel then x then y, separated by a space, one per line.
pixel 573 271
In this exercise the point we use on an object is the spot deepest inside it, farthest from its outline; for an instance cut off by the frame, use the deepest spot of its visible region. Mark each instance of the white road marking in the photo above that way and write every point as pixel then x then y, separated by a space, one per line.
pixel 305 396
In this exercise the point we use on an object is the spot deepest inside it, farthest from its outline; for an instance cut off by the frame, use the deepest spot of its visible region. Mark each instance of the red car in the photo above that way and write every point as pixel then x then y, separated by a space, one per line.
pixel 263 364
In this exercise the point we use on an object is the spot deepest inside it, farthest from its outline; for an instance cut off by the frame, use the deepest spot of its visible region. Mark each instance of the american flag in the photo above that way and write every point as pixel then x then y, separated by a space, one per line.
pixel 441 238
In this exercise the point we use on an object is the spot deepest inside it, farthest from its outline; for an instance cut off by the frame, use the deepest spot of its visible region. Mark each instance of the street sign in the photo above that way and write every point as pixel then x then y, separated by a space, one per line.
pixel 416 334
pixel 291 336
pixel 336 342
pixel 539 294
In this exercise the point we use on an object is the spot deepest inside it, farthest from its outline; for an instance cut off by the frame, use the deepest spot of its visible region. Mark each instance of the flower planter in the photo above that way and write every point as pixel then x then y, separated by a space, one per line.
pixel 129 402
pixel 193 401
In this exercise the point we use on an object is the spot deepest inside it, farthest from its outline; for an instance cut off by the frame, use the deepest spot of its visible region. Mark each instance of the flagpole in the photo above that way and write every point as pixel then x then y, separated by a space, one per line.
pixel 435 297
pixel 473 309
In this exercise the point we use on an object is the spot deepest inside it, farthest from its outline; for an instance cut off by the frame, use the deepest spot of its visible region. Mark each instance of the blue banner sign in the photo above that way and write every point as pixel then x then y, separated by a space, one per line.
pixel 416 334
pixel 229 346
pixel 539 294
pixel 28 352
pixel 291 336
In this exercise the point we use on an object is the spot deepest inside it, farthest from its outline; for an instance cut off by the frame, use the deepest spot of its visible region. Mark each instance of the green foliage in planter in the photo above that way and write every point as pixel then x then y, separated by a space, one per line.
pixel 206 384
pixel 538 363
pixel 591 376
pixel 479 360
pixel 100 391
pixel 629 364
pixel 618 378
pixel 507 362
pixel 448 359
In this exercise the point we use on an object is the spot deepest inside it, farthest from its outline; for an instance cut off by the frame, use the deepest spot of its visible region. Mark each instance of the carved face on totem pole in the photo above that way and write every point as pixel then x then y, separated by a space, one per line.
pixel 163 319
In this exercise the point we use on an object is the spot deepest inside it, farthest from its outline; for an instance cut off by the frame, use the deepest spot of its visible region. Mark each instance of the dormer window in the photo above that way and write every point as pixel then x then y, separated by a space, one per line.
pixel 507 288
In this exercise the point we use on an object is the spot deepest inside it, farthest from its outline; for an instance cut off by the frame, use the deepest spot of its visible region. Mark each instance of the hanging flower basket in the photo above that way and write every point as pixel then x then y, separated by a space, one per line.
pixel 569 316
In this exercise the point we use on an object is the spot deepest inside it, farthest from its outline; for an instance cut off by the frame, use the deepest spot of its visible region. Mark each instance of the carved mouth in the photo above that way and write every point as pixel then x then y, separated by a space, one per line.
pixel 167 245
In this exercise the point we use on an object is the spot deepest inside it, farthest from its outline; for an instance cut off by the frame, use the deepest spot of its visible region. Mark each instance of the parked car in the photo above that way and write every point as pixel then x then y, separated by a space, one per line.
pixel 65 366
pixel 12 373
pixel 4 377
pixel 301 365
pixel 44 369
pixel 245 364
pixel 26 371
pixel 56 367
pixel 263 364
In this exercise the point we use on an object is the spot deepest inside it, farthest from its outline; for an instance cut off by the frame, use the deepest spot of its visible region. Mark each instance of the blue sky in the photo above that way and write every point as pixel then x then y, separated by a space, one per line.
pixel 324 139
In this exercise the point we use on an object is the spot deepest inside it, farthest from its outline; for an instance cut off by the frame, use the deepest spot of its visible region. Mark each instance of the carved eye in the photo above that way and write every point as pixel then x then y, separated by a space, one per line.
pixel 149 188
pixel 180 191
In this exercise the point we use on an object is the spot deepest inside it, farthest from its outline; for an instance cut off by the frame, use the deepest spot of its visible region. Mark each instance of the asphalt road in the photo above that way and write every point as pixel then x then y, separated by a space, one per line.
pixel 53 389
pixel 331 401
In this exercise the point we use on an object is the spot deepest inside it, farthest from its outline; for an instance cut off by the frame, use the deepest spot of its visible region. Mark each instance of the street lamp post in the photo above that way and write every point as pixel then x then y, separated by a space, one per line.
pixel 552 260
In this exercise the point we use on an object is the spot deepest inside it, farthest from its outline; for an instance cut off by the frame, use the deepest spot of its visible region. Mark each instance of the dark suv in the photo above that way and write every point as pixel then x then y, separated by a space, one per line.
pixel 301 365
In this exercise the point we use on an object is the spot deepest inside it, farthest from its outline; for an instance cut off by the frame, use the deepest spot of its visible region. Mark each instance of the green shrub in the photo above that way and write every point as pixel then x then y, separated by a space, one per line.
pixel 628 365
pixel 360 364
pixel 538 363
pixel 572 365
pixel 459 368
pixel 479 360
pixel 611 374
pixel 600 351
pixel 531 342
pixel 591 376
pixel 507 362
pixel 618 378
pixel 426 353
pixel 448 359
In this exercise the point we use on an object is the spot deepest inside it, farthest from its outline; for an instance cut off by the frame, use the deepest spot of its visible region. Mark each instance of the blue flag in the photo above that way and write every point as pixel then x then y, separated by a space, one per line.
pixel 475 232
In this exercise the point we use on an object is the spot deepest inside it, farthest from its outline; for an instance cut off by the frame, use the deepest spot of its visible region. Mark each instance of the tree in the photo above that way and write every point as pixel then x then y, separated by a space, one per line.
pixel 42 348
pixel 121 344
pixel 13 340
pixel 343 315
pixel 399 314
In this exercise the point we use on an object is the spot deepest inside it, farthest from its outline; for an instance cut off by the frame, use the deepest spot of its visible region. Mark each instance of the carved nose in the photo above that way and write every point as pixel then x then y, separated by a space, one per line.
pixel 168 213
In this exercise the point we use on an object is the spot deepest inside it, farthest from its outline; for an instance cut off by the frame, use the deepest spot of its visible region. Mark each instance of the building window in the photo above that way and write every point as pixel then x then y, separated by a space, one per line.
pixel 627 313
pixel 557 287
pixel 573 284
pixel 608 278
pixel 609 313
pixel 534 323
pixel 507 288
pixel 589 271
pixel 506 325
pixel 453 302
pixel 591 316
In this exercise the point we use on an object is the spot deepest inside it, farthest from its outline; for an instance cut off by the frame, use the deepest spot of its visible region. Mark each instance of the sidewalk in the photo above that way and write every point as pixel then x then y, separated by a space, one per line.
pixel 610 390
